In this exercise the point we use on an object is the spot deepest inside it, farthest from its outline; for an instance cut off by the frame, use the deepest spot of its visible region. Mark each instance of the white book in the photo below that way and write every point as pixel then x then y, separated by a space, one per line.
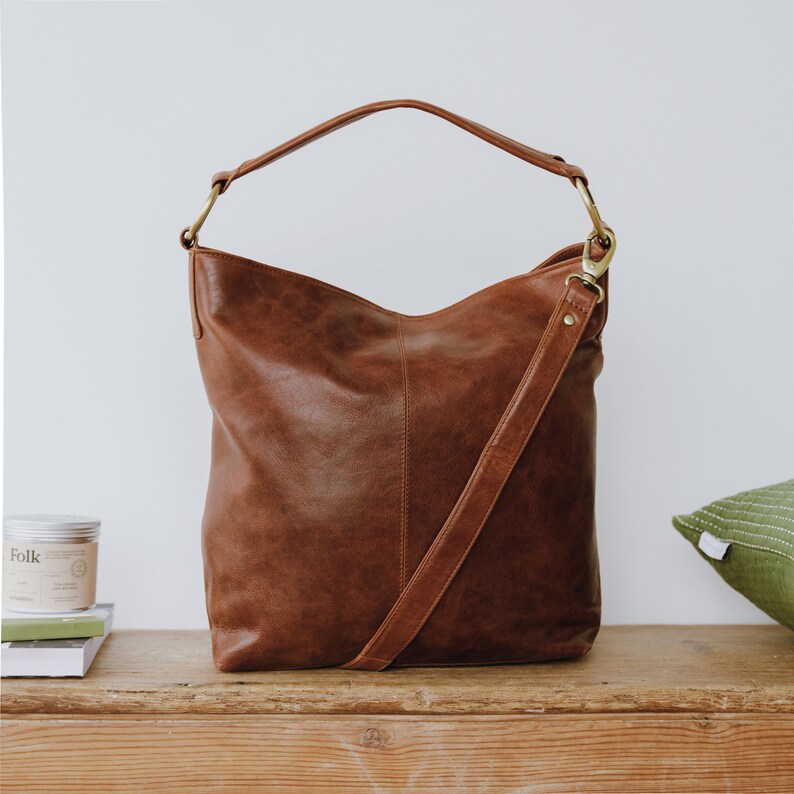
pixel 53 658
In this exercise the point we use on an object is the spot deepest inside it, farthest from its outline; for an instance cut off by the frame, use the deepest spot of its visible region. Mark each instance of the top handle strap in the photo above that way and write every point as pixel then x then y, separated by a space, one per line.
pixel 550 162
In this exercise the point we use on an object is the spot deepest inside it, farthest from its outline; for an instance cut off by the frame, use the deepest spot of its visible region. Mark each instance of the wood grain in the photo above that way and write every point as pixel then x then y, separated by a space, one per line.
pixel 651 709
pixel 631 669
pixel 352 754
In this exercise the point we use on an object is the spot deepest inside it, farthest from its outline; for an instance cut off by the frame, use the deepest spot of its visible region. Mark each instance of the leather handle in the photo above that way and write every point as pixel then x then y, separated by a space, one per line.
pixel 549 162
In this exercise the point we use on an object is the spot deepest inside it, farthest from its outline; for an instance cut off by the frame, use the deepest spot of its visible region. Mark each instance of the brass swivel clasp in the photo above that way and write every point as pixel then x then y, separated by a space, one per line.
pixel 592 270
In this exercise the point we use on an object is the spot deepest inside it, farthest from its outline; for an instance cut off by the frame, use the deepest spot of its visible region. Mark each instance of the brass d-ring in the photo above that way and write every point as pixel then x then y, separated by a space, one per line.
pixel 589 282
pixel 592 211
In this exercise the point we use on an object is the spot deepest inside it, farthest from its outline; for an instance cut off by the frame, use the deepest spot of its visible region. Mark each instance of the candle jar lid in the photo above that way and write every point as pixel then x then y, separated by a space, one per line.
pixel 42 526
pixel 50 522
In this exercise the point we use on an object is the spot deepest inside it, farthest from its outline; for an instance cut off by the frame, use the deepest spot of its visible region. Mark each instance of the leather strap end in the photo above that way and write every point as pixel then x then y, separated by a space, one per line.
pixel 224 179
pixel 362 662
pixel 572 177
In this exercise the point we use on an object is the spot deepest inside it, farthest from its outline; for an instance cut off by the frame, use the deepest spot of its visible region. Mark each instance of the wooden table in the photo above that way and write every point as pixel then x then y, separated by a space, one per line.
pixel 651 709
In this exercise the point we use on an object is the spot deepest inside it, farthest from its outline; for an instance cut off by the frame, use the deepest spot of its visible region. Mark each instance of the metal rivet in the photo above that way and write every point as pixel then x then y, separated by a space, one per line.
pixel 569 319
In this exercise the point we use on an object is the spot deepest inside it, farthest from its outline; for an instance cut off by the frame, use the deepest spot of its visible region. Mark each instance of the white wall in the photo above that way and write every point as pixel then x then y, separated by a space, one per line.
pixel 117 114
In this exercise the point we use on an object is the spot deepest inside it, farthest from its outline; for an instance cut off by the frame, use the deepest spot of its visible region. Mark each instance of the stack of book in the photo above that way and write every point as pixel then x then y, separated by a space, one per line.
pixel 53 645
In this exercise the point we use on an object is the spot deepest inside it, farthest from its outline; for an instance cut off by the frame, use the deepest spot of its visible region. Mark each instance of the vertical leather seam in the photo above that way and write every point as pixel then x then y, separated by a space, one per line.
pixel 405 458
pixel 198 331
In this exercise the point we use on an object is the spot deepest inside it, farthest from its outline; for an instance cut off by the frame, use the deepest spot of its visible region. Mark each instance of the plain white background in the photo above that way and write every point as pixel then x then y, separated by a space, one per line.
pixel 116 115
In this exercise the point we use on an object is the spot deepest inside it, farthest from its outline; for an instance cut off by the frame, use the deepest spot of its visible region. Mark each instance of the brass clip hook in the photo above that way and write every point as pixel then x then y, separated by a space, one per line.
pixel 597 269
pixel 189 235
pixel 592 210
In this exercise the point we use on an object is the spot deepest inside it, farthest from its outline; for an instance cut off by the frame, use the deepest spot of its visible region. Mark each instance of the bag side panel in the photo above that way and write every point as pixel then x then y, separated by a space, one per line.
pixel 530 588
pixel 301 531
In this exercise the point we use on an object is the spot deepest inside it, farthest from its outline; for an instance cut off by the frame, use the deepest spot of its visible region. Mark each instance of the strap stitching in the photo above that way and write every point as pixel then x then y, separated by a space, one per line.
pixel 576 305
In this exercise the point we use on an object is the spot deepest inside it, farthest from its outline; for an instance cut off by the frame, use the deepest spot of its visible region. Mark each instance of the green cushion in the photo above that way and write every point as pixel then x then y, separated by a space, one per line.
pixel 759 562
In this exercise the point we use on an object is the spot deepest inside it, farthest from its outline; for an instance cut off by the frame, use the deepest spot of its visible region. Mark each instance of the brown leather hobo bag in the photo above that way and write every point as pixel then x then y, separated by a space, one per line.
pixel 389 489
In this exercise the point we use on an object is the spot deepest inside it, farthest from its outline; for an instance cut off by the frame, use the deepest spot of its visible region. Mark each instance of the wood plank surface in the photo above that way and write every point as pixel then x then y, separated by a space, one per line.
pixel 351 754
pixel 631 669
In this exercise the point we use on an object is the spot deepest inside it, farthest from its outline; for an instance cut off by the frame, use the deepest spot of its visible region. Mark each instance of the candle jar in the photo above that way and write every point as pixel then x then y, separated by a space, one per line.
pixel 49 563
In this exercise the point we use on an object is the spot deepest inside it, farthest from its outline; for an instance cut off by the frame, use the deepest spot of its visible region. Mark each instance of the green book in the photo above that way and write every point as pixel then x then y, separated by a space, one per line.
pixel 53 627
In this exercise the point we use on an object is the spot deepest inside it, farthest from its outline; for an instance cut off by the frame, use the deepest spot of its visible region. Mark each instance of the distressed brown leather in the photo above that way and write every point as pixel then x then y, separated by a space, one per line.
pixel 344 434
pixel 454 542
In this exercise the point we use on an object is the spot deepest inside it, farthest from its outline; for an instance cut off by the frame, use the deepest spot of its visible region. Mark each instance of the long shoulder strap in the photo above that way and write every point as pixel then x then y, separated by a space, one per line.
pixel 463 526
pixel 551 162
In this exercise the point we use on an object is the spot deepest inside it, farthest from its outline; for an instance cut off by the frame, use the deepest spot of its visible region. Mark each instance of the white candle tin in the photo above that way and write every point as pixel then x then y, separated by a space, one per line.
pixel 49 563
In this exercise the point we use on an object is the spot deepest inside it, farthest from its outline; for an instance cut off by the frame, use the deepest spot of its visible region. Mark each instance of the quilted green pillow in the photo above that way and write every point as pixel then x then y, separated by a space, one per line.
pixel 749 541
